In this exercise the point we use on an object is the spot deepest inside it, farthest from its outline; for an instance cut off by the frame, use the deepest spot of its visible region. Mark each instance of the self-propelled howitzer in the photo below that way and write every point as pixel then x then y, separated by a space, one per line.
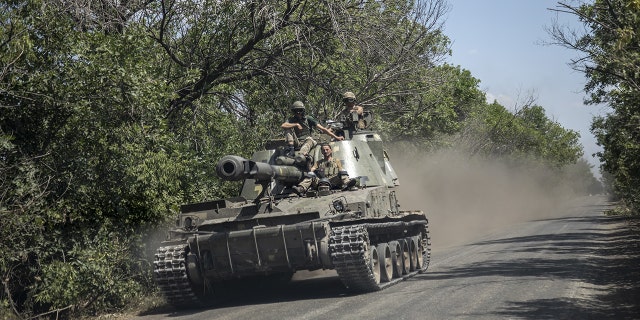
pixel 270 231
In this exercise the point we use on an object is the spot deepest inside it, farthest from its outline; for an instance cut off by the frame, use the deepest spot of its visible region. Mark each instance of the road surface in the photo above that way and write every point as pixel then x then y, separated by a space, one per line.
pixel 574 265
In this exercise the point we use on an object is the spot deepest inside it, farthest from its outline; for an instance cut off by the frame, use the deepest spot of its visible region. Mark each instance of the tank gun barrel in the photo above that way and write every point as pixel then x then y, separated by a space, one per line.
pixel 234 168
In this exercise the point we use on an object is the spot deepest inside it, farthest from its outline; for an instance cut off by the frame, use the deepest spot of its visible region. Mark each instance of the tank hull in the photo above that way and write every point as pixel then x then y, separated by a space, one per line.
pixel 261 250
pixel 188 271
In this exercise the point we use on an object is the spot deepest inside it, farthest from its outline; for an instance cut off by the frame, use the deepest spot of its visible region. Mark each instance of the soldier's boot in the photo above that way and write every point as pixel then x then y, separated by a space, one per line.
pixel 298 190
pixel 350 185
pixel 290 151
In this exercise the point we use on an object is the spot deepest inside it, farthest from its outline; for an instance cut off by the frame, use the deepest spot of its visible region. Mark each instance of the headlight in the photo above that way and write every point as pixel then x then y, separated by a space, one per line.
pixel 188 223
pixel 338 205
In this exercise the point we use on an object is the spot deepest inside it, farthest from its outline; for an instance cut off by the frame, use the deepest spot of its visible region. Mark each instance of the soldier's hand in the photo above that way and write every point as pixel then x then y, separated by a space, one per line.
pixel 339 138
pixel 299 126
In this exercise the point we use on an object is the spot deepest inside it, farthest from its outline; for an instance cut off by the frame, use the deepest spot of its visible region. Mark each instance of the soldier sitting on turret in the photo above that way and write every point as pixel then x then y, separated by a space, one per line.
pixel 298 130
pixel 327 169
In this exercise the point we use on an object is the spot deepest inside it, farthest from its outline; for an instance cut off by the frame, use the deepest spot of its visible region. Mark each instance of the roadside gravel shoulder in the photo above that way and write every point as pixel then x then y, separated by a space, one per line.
pixel 617 270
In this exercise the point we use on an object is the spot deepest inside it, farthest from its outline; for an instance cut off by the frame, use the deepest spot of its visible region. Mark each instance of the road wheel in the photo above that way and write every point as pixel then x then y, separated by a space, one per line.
pixel 406 256
pixel 396 258
pixel 386 266
pixel 413 247
pixel 374 263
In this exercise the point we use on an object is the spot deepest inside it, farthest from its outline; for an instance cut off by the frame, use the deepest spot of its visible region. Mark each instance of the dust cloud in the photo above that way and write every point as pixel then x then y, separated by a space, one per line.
pixel 467 197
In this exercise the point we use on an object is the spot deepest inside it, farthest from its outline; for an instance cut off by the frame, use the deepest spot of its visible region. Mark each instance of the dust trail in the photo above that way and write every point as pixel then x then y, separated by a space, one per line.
pixel 466 197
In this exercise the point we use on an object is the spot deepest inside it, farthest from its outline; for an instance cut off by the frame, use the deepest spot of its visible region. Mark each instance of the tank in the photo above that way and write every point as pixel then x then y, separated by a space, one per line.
pixel 270 231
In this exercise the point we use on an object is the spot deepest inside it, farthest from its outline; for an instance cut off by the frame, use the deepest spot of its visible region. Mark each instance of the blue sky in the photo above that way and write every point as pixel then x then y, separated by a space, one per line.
pixel 502 43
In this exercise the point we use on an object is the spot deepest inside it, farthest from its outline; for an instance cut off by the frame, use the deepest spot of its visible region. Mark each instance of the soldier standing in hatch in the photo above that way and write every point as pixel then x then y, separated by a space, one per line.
pixel 298 130
pixel 349 101
pixel 328 168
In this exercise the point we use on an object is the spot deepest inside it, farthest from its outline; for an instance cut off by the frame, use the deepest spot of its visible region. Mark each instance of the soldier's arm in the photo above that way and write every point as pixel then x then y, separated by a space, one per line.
pixel 329 132
pixel 289 125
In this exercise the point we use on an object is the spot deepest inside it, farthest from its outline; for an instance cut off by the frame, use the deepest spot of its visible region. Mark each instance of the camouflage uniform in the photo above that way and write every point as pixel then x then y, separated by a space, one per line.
pixel 349 99
pixel 301 138
pixel 299 129
pixel 329 169
pixel 326 168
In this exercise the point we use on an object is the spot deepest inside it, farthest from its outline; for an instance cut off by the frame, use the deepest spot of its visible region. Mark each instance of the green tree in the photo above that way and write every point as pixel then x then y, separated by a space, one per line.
pixel 76 121
pixel 611 64
pixel 581 178
pixel 437 110
pixel 525 134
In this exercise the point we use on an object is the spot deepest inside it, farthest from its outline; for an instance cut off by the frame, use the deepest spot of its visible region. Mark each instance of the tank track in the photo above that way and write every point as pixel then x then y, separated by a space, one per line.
pixel 170 274
pixel 349 249
pixel 348 246
pixel 426 242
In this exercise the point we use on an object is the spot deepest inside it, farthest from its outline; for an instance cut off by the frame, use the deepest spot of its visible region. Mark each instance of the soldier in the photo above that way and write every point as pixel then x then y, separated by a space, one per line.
pixel 298 130
pixel 350 106
pixel 326 168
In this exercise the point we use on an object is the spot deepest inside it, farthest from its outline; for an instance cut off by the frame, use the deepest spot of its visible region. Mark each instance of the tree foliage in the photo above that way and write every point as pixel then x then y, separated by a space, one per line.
pixel 526 133
pixel 610 48
pixel 113 113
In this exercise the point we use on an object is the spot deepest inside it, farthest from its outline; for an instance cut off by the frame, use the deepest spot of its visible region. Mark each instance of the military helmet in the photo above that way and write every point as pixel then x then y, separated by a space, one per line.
pixel 297 105
pixel 348 96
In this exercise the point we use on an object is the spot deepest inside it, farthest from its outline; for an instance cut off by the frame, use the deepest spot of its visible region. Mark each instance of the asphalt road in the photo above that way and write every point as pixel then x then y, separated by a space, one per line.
pixel 575 265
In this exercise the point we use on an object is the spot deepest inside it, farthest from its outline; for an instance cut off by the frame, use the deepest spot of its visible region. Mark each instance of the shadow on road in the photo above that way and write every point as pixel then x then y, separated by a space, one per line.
pixel 242 293
pixel 609 259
